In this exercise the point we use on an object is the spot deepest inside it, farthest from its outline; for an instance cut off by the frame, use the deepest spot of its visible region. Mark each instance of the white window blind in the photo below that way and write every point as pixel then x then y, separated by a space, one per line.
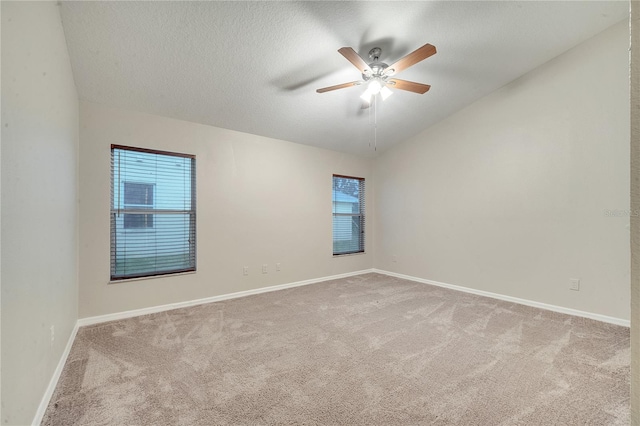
pixel 348 215
pixel 153 212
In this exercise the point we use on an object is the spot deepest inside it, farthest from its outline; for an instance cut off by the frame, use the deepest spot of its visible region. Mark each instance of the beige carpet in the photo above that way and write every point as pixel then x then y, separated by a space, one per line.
pixel 370 349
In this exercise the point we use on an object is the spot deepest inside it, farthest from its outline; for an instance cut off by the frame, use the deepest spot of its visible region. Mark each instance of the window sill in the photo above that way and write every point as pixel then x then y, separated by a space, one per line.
pixel 126 280
pixel 350 254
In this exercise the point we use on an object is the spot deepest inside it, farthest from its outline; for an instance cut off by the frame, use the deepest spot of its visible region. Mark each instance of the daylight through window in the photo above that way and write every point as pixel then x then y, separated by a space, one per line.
pixel 348 215
pixel 153 213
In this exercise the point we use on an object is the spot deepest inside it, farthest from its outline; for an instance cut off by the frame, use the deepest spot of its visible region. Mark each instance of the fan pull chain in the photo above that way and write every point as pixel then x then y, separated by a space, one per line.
pixel 373 107
pixel 369 123
pixel 375 123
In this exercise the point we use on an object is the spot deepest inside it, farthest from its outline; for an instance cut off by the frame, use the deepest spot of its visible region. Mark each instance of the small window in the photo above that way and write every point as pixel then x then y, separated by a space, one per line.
pixel 348 215
pixel 153 213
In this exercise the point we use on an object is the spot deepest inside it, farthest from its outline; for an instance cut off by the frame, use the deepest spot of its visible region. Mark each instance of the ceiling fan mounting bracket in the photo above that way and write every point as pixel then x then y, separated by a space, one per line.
pixel 374 54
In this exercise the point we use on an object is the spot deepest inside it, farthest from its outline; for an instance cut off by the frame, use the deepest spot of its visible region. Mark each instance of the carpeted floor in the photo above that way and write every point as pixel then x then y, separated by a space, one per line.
pixel 369 349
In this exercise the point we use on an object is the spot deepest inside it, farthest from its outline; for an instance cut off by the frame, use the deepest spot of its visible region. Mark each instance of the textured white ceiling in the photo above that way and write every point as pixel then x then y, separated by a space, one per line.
pixel 254 66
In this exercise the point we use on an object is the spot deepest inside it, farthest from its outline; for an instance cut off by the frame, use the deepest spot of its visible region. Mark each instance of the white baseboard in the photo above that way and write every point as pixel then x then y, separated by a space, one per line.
pixel 561 309
pixel 44 403
pixel 153 309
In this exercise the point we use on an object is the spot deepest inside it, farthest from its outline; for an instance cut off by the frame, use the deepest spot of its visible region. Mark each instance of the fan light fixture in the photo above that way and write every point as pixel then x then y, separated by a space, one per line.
pixel 385 92
pixel 374 87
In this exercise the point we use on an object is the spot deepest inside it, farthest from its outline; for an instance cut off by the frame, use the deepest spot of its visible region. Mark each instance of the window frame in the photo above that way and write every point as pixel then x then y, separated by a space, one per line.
pixel 361 214
pixel 114 278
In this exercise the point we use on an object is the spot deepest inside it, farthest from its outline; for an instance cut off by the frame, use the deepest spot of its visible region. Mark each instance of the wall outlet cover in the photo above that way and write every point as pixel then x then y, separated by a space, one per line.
pixel 574 284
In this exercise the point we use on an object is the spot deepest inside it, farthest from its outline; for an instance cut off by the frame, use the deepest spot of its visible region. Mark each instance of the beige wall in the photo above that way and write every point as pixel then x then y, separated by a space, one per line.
pixel 509 195
pixel 39 203
pixel 635 220
pixel 259 200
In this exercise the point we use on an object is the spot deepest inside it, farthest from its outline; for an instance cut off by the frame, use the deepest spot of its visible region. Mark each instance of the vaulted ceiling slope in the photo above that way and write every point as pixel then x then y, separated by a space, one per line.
pixel 254 66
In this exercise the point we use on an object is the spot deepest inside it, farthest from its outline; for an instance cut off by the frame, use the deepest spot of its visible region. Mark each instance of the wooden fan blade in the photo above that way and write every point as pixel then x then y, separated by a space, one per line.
pixel 338 86
pixel 355 59
pixel 408 85
pixel 411 59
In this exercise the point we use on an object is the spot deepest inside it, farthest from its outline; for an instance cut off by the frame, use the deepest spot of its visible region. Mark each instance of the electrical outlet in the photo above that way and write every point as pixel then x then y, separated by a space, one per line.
pixel 264 268
pixel 575 284
pixel 394 258
pixel 245 270
pixel 53 333
pixel 278 267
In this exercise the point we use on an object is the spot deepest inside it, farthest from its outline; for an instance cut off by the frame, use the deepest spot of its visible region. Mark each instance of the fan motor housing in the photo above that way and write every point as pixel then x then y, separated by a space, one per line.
pixel 377 69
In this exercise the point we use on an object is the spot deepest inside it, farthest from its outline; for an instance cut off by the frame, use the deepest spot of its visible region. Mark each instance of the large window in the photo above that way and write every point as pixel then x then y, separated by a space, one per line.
pixel 348 215
pixel 153 213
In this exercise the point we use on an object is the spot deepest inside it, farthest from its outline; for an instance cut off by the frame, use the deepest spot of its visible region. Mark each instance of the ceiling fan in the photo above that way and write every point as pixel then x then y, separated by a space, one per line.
pixel 379 76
